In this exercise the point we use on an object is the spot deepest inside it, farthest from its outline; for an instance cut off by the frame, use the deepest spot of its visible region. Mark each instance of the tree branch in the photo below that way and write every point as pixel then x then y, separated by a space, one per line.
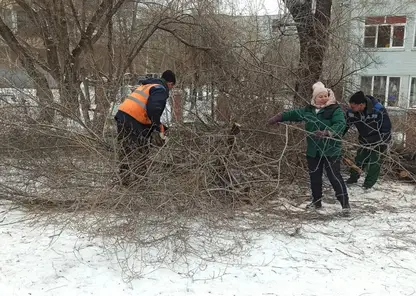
pixel 49 42
pixel 139 45
pixel 74 13
pixel 182 40
pixel 96 26
pixel 12 41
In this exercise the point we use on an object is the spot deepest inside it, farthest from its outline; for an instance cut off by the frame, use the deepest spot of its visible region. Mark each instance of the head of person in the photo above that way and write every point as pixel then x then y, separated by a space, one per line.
pixel 358 102
pixel 321 95
pixel 170 78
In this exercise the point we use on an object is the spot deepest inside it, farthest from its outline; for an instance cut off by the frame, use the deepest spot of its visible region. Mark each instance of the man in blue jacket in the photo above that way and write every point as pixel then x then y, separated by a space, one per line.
pixel 374 127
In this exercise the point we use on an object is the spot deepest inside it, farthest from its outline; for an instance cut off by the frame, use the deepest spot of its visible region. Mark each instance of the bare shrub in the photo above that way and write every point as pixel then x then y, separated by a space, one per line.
pixel 212 178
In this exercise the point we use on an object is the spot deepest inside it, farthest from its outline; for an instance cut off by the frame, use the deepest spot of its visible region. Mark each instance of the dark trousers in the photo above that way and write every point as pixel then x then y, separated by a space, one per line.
pixel 369 160
pixel 332 167
pixel 133 148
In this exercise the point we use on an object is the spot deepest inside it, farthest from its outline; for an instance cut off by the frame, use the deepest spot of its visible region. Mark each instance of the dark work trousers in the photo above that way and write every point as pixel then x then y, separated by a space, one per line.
pixel 332 167
pixel 133 149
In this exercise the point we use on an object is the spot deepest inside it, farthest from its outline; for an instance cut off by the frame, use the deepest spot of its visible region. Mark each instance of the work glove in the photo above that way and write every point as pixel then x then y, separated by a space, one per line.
pixel 323 134
pixel 276 119
pixel 157 138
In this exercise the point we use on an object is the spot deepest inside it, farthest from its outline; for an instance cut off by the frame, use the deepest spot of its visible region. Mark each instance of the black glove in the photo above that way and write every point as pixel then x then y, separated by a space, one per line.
pixel 157 139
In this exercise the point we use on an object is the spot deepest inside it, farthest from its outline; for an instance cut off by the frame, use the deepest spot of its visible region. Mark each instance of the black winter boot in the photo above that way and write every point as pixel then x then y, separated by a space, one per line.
pixel 346 210
pixel 351 180
pixel 367 186
pixel 314 205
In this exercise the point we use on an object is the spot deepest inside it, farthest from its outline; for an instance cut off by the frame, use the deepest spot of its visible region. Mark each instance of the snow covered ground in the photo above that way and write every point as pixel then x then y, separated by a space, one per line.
pixel 370 253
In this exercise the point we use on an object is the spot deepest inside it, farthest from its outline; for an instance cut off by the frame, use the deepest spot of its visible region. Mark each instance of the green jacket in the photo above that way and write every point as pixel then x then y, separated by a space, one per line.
pixel 330 118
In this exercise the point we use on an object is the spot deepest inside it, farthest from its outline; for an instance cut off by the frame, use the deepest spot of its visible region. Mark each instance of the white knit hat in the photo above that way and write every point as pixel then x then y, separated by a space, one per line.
pixel 318 88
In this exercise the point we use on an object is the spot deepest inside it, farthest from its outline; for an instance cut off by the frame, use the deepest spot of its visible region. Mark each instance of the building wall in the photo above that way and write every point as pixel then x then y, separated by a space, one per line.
pixel 393 62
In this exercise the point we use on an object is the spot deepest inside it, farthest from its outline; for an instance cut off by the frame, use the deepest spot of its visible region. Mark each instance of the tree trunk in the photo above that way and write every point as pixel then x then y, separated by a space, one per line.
pixel 102 93
pixel 212 86
pixel 313 31
pixel 45 97
pixel 69 94
pixel 85 104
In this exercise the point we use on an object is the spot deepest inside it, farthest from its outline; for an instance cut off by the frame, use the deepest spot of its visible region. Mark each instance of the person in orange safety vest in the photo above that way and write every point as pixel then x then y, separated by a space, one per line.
pixel 138 124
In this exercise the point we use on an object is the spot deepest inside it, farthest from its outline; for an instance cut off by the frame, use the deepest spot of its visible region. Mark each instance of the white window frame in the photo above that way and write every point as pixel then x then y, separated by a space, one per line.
pixel 414 36
pixel 391 34
pixel 410 89
pixel 386 103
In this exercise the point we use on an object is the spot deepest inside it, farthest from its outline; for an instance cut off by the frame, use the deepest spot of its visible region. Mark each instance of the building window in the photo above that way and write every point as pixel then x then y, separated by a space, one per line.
pixel 412 95
pixel 379 88
pixel 384 31
pixel 276 24
pixel 393 92
pixel 384 88
pixel 367 84
pixel 414 42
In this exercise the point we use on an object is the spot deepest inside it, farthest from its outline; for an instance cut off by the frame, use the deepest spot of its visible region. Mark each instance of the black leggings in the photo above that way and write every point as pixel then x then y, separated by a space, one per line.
pixel 332 167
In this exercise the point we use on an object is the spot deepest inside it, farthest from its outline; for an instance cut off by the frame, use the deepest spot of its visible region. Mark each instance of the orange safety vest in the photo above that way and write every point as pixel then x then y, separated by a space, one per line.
pixel 135 104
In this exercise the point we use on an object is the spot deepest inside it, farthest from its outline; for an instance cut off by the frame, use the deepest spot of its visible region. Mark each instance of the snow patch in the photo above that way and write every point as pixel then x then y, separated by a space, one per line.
pixel 370 253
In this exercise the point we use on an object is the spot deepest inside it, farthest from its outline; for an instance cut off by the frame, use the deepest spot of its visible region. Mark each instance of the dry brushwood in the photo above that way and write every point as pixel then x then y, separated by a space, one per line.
pixel 405 166
pixel 348 162
pixel 223 177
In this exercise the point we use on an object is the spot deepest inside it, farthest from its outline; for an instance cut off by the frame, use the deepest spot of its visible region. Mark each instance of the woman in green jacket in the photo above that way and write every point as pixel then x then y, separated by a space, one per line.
pixel 324 123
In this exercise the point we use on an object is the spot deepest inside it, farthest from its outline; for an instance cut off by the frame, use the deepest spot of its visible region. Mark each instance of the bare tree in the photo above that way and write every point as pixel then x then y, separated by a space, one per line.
pixel 312 19
pixel 66 36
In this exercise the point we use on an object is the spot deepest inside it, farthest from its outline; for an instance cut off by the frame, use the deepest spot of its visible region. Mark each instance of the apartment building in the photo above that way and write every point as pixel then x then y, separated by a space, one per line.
pixel 386 33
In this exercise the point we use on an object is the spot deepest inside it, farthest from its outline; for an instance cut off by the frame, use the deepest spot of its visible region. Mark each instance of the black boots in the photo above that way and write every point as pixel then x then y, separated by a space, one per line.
pixel 317 204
